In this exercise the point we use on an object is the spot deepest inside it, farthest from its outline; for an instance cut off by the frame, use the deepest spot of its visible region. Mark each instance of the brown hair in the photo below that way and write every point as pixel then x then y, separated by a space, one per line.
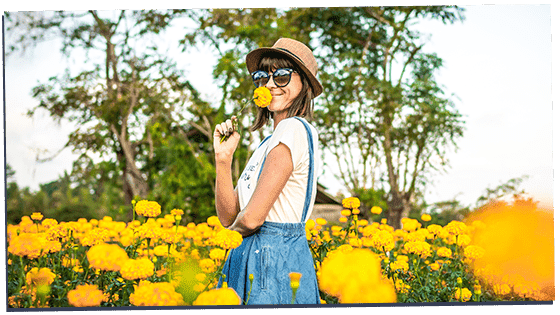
pixel 303 103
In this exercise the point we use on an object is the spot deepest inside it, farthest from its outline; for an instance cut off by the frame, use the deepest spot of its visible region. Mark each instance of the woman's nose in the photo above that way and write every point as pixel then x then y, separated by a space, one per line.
pixel 270 83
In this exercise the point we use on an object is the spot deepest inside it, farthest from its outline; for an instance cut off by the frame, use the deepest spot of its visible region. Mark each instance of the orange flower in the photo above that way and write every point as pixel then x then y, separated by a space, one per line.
pixel 262 97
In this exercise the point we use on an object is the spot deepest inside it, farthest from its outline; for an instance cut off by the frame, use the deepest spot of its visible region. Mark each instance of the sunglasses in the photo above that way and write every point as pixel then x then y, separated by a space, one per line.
pixel 281 77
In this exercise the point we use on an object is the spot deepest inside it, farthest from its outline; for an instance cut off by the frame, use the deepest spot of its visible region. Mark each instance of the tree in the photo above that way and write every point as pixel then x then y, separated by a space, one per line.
pixel 128 91
pixel 383 116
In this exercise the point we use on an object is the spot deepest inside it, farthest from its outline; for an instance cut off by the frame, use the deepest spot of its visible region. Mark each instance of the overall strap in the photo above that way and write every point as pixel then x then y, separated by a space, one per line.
pixel 310 174
pixel 264 160
pixel 263 141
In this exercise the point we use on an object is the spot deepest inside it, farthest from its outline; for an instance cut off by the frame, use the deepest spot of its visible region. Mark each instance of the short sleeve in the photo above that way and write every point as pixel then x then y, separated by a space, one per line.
pixel 292 133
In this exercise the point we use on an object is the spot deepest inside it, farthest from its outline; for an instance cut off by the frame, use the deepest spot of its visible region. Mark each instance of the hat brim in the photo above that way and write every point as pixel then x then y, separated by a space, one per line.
pixel 253 58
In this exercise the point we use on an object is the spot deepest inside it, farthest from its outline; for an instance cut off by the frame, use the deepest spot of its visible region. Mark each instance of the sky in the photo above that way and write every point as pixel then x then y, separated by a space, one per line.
pixel 497 67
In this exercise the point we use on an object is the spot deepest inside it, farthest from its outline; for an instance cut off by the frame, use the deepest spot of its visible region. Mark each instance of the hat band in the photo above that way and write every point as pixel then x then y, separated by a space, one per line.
pixel 291 54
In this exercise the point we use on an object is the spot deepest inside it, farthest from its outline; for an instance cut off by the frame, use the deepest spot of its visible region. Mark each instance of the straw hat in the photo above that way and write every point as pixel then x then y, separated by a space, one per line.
pixel 295 51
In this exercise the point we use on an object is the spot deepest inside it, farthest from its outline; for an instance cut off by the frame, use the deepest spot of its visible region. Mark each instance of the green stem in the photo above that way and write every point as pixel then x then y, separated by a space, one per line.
pixel 250 288
pixel 236 115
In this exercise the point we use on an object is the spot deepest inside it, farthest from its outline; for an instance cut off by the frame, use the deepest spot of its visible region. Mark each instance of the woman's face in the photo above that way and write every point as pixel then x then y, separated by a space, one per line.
pixel 283 97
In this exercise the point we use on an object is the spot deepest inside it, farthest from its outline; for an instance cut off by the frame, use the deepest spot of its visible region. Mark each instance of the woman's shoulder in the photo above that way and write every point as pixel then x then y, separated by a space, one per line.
pixel 295 124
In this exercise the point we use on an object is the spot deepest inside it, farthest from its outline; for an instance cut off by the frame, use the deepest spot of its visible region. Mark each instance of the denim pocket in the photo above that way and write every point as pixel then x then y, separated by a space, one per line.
pixel 265 263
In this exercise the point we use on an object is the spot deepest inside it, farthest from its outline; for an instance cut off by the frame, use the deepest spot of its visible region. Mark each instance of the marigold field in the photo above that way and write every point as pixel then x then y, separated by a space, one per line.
pixel 503 254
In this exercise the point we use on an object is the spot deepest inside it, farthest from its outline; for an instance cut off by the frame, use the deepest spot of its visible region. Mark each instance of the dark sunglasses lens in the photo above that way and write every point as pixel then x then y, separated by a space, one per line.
pixel 260 78
pixel 282 77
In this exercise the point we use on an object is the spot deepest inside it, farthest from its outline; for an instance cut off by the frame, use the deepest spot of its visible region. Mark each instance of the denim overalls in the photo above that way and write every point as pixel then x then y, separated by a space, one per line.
pixel 271 253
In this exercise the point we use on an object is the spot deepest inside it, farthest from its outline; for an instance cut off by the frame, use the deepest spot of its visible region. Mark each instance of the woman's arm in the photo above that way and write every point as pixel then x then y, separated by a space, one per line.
pixel 227 200
pixel 275 174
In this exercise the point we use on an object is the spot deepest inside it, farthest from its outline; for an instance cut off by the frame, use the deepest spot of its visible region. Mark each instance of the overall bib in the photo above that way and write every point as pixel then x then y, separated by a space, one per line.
pixel 271 253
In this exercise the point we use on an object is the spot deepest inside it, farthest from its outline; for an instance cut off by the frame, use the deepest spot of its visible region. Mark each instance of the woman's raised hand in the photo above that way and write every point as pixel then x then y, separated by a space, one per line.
pixel 224 149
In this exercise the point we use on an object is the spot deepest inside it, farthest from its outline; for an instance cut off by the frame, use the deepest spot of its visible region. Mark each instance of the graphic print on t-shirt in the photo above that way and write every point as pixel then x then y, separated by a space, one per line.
pixel 247 173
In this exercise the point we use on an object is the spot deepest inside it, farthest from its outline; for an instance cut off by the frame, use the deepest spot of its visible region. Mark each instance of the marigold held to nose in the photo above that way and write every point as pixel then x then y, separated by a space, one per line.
pixel 262 97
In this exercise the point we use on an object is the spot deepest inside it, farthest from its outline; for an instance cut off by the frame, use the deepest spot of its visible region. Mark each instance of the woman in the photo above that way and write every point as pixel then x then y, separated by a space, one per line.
pixel 276 191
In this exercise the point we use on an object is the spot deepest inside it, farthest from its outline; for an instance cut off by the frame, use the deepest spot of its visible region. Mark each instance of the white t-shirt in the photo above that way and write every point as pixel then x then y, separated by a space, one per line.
pixel 288 208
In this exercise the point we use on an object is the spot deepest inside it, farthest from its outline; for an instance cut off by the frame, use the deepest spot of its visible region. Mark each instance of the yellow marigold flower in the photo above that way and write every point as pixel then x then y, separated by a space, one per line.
pixel 426 217
pixel 399 265
pixel 148 208
pixel 477 289
pixel 434 266
pixel 435 229
pixel 321 221
pixel 86 295
pixel 354 276
pixel 133 269
pixel 227 239
pixel 27 244
pixel 200 277
pixel 217 254
pixel 355 242
pixel 355 212
pixel 343 219
pixel 455 228
pixel 207 265
pixel 376 210
pixel 169 236
pixel 351 203
pixel 294 279
pixel 162 250
pixel 463 240
pixel 362 222
pixel 36 277
pixel 48 223
pixel 444 252
pixel 36 216
pixel 410 224
pixel 214 221
pixel 383 240
pixel 309 224
pixel 156 294
pixel 345 212
pixel 95 236
pixel 262 96
pixel 52 246
pixel 149 230
pixel 223 296
pixel 419 248
pixel 107 257
pixel 177 212
pixel 60 232
pixel 463 294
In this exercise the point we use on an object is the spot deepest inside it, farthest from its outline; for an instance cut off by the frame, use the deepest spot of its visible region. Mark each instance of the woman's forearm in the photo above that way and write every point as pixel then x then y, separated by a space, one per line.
pixel 244 225
pixel 227 203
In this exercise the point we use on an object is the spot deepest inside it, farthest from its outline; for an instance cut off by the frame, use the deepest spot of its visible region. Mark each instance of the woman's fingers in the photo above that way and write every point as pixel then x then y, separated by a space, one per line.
pixel 226 128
